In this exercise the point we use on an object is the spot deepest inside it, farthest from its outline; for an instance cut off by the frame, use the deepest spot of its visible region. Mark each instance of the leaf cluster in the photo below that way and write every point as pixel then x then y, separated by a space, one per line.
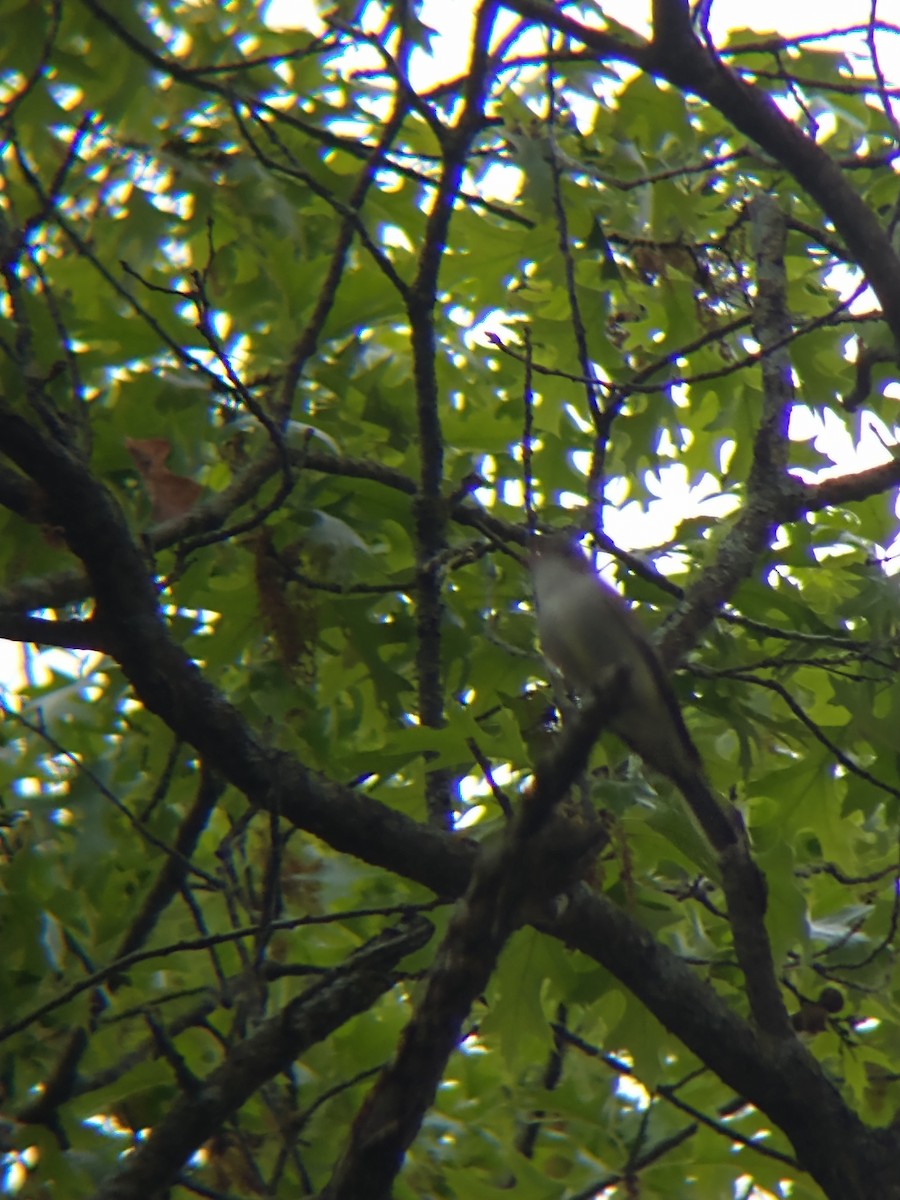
pixel 373 331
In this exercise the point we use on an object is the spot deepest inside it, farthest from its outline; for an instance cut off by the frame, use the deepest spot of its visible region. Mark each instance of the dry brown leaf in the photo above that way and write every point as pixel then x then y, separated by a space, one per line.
pixel 170 495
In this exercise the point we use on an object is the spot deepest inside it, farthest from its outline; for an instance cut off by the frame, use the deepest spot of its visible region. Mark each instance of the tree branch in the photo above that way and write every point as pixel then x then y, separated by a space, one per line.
pixel 533 862
pixel 349 989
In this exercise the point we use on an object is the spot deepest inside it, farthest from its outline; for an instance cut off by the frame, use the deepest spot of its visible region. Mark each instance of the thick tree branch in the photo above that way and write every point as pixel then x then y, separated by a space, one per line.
pixel 20 496
pixel 764 489
pixel 430 508
pixel 772 493
pixel 69 635
pixel 845 489
pixel 533 862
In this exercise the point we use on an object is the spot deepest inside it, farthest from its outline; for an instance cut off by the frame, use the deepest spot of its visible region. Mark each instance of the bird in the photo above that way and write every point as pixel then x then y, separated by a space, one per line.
pixel 599 647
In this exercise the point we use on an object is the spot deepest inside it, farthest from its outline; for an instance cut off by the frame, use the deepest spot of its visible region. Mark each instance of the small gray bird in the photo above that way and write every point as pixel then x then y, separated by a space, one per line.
pixel 596 643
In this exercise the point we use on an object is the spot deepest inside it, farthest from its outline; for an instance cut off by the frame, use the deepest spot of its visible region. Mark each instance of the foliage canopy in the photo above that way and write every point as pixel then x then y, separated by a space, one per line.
pixel 293 349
